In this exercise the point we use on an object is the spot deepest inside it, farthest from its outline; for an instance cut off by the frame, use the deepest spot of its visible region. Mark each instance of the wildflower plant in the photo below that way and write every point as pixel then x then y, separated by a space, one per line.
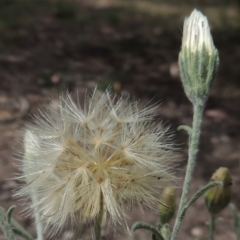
pixel 198 62
pixel 91 163
pixel 197 74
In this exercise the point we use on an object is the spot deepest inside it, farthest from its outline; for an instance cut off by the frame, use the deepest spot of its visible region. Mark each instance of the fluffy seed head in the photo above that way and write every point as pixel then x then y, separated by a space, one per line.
pixel 106 154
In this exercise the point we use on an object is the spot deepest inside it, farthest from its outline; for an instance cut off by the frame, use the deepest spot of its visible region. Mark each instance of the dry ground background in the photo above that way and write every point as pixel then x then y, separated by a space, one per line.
pixel 47 46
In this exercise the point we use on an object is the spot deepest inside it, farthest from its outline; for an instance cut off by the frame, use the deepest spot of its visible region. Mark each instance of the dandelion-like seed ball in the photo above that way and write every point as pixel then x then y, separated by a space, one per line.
pixel 104 156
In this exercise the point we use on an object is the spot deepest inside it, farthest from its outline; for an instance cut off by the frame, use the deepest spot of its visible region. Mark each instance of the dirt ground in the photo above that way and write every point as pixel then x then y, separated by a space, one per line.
pixel 49 46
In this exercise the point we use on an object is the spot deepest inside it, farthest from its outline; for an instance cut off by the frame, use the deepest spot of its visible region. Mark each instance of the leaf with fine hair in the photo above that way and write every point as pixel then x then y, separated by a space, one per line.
pixel 9 213
pixel 5 226
pixel 143 225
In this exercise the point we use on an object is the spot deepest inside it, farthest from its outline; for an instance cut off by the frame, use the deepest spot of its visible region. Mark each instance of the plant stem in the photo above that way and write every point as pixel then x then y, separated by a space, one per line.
pixel 212 227
pixel 192 153
pixel 97 225
pixel 236 220
pixel 39 226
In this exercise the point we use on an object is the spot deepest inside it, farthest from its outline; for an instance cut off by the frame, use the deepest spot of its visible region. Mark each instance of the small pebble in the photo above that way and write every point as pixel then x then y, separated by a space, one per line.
pixel 197 232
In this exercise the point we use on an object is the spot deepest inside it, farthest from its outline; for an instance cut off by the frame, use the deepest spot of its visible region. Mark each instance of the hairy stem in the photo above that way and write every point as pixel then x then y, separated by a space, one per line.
pixel 39 226
pixel 192 153
pixel 236 220
pixel 97 225
pixel 212 227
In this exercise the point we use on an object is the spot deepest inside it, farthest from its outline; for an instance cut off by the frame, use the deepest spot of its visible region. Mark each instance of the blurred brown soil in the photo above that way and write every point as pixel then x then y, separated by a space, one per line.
pixel 47 48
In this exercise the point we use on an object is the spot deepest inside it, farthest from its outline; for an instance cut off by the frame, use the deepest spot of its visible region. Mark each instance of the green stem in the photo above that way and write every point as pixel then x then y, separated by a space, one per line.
pixel 39 225
pixel 192 153
pixel 97 225
pixel 236 220
pixel 212 227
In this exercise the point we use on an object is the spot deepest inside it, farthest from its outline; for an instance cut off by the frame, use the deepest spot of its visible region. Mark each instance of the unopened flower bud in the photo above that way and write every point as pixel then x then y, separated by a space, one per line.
pixel 217 198
pixel 198 59
pixel 167 206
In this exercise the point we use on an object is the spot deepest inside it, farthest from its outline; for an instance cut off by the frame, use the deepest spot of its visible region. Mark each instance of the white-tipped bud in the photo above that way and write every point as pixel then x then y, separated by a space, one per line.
pixel 196 33
pixel 198 59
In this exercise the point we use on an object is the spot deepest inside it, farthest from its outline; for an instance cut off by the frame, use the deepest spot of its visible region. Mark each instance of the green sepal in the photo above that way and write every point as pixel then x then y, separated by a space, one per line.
pixel 197 71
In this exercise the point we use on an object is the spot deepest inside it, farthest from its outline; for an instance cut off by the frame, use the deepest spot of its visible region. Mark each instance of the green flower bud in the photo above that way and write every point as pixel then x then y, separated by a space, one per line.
pixel 167 206
pixel 198 59
pixel 217 198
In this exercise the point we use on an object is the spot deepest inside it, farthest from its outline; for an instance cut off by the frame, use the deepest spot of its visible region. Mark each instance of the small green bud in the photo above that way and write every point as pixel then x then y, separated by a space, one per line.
pixel 167 205
pixel 217 198
pixel 198 59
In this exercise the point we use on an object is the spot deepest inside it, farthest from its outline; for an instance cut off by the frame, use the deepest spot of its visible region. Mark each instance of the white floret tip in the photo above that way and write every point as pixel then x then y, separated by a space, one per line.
pixel 196 33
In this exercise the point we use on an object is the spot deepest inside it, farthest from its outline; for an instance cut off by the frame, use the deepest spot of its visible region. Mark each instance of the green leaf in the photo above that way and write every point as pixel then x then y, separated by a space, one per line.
pixel 8 232
pixel 9 213
pixel 143 225
pixel 186 128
